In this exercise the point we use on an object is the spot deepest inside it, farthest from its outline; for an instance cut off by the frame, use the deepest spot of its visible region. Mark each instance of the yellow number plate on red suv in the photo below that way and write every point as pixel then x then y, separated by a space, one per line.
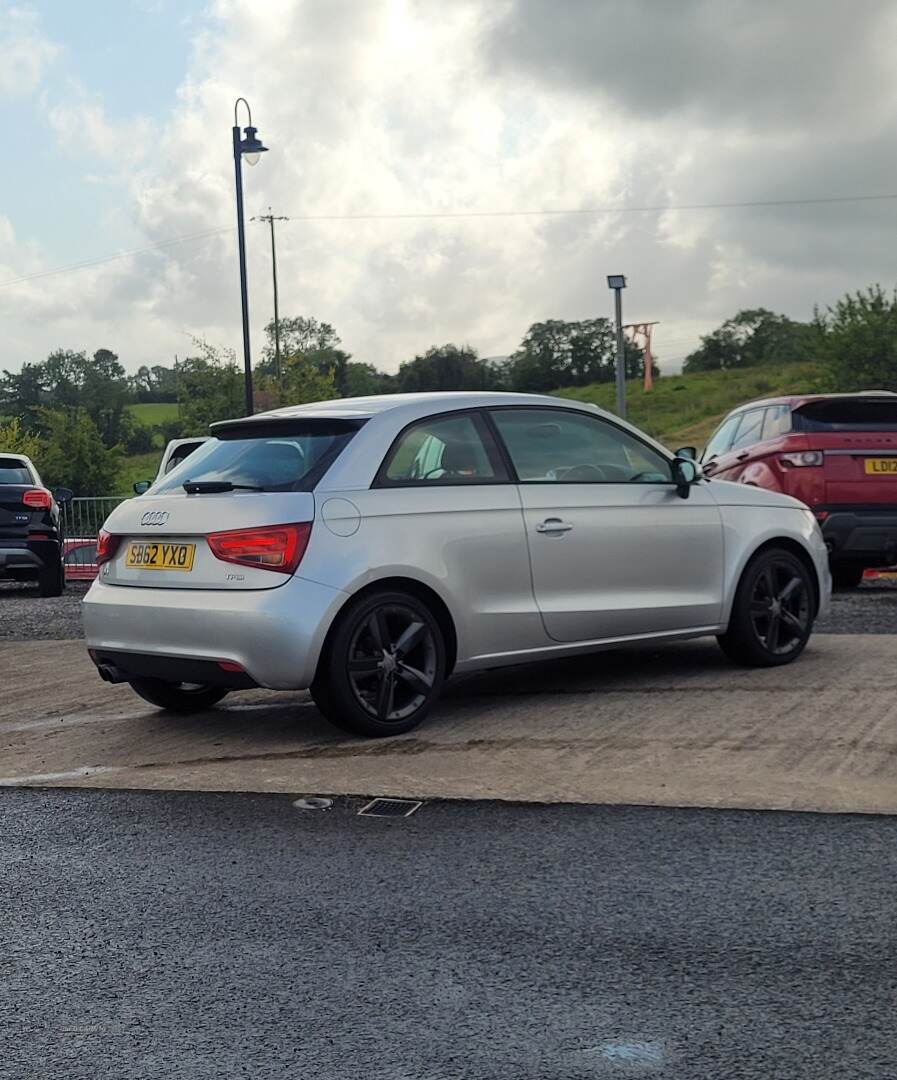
pixel 159 556
pixel 881 466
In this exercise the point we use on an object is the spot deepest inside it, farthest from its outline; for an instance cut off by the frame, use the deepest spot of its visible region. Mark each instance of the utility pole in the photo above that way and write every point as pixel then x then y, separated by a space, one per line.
pixel 270 218
pixel 643 330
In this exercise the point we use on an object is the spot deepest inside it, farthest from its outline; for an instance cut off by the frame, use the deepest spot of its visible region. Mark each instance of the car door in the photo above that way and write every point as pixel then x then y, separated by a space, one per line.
pixel 614 550
pixel 731 464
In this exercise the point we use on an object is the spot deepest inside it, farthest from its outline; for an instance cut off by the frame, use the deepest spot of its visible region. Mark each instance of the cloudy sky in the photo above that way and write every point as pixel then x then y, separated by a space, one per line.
pixel 117 116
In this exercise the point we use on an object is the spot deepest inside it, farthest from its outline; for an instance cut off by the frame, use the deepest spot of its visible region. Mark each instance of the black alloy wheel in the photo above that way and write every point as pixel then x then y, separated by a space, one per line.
pixel 384 667
pixel 773 613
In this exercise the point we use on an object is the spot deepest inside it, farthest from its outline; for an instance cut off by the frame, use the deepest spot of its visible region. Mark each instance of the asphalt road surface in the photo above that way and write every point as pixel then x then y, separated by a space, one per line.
pixel 159 936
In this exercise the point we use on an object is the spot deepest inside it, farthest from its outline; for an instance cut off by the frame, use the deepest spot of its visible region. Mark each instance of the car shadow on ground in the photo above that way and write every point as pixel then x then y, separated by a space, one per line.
pixel 256 723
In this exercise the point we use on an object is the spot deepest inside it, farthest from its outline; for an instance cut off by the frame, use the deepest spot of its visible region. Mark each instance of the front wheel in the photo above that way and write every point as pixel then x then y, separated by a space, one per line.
pixel 384 665
pixel 772 616
pixel 178 697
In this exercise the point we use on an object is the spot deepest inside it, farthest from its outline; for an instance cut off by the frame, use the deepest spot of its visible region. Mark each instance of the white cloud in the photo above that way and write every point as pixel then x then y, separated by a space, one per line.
pixel 397 106
pixel 26 52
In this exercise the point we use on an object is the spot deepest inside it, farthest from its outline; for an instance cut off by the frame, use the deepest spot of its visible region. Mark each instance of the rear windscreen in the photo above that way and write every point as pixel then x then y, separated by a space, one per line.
pixel 847 414
pixel 12 471
pixel 290 461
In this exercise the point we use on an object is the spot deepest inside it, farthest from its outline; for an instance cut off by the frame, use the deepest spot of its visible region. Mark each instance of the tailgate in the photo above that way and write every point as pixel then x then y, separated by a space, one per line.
pixel 163 538
pixel 860 470
pixel 14 515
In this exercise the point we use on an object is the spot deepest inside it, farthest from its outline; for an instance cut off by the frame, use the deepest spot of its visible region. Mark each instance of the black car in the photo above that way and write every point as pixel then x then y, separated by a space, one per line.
pixel 30 527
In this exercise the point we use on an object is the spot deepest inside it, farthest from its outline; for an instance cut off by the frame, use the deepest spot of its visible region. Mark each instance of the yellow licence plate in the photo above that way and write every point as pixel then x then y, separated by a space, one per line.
pixel 881 466
pixel 154 555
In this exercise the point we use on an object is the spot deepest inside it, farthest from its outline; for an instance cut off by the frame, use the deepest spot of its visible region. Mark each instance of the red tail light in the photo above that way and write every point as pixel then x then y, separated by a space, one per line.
pixel 107 545
pixel 277 547
pixel 38 498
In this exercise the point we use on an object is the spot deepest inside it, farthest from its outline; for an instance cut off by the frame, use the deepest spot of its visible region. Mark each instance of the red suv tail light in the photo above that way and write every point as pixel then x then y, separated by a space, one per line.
pixel 276 547
pixel 107 545
pixel 38 498
pixel 803 457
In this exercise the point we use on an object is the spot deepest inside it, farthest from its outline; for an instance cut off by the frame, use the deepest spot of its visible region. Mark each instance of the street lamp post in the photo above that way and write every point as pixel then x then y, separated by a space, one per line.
pixel 617 282
pixel 250 147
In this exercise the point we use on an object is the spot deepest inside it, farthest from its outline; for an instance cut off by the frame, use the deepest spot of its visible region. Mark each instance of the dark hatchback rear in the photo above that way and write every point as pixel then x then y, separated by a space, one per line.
pixel 30 528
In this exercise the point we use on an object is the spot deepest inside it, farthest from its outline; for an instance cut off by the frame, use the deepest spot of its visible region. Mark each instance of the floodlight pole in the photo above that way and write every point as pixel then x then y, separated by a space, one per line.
pixel 617 282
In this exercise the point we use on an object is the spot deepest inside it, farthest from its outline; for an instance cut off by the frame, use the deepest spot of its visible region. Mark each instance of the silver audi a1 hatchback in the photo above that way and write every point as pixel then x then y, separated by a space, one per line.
pixel 368 548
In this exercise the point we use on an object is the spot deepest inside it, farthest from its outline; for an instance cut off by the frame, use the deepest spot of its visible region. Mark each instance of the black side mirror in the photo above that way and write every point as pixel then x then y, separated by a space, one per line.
pixel 63 495
pixel 685 473
pixel 690 452
pixel 141 486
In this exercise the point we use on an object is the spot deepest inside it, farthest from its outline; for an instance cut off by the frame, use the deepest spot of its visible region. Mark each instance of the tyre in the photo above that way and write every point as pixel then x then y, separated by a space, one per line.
pixel 384 665
pixel 51 582
pixel 847 575
pixel 772 616
pixel 178 697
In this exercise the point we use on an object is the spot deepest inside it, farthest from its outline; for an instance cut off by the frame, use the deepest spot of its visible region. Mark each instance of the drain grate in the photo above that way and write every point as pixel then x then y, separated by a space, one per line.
pixel 389 808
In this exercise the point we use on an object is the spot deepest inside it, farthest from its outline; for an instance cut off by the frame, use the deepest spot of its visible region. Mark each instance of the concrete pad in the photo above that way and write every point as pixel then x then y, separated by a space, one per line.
pixel 676 726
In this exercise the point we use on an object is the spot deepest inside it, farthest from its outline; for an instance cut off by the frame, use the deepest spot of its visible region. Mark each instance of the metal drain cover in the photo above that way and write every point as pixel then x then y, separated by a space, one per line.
pixel 389 808
pixel 313 802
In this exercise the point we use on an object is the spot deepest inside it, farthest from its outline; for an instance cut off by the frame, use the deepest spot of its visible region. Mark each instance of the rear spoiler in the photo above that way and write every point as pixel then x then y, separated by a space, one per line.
pixel 271 427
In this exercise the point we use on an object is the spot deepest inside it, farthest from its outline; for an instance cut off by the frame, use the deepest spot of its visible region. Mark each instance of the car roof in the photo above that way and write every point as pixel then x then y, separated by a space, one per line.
pixel 363 408
pixel 15 457
pixel 795 401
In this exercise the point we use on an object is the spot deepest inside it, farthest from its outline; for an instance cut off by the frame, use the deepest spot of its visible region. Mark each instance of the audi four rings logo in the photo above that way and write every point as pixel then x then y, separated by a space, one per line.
pixel 154 517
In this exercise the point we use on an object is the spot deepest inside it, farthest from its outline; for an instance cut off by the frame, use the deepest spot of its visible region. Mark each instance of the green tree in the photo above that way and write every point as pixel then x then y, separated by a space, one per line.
pixel 363 380
pixel 444 367
pixel 304 343
pixel 156 383
pixel 754 336
pixel 210 388
pixel 556 353
pixel 73 454
pixel 14 439
pixel 72 380
pixel 858 341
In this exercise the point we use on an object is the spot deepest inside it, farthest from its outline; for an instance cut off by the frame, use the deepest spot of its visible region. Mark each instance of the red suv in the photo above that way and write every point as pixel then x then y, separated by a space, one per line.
pixel 835 452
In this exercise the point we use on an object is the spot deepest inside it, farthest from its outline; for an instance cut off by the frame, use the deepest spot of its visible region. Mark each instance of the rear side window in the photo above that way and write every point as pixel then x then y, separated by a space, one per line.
pixel 84 555
pixel 13 471
pixel 777 422
pixel 272 457
pixel 847 414
pixel 443 450
pixel 749 429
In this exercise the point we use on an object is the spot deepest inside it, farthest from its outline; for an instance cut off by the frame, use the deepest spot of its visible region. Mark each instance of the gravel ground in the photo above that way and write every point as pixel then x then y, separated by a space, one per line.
pixel 871 609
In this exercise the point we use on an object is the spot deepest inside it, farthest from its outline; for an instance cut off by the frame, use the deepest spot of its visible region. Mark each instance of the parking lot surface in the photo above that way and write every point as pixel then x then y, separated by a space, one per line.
pixel 674 726
pixel 152 935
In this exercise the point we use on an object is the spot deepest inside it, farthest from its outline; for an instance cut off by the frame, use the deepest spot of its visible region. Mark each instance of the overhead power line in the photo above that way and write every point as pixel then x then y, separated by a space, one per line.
pixel 456 214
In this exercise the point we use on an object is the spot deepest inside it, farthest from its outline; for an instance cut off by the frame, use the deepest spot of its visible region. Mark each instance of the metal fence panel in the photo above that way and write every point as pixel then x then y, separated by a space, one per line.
pixel 83 518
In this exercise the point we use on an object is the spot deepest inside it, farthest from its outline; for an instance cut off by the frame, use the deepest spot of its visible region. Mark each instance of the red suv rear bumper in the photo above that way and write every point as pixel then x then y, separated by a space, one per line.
pixel 863 534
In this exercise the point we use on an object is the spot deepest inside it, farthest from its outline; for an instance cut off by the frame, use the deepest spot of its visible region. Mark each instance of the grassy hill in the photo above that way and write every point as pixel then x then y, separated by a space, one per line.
pixel 683 410
pixel 154 412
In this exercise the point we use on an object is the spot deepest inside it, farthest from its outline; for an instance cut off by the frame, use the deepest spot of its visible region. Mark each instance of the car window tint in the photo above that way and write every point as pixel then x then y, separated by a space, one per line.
pixel 552 446
pixel 749 429
pixel 440 450
pixel 721 439
pixel 13 471
pixel 776 422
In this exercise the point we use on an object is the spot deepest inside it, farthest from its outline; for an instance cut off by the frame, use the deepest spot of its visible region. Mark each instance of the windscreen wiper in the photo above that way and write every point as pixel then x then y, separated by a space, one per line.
pixel 215 487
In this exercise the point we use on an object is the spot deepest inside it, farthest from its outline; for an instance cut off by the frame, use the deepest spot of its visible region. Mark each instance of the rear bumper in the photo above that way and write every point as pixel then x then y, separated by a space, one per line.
pixel 275 635
pixel 23 557
pixel 861 534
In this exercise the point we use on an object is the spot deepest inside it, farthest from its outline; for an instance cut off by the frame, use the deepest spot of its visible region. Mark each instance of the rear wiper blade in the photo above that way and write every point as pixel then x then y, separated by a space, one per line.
pixel 215 487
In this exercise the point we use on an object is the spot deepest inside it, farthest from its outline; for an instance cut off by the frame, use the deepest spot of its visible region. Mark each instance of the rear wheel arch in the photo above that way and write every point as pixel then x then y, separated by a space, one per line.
pixel 422 592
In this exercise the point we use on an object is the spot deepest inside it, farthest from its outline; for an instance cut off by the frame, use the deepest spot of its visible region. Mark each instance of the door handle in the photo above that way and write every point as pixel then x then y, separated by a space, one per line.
pixel 744 454
pixel 553 525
